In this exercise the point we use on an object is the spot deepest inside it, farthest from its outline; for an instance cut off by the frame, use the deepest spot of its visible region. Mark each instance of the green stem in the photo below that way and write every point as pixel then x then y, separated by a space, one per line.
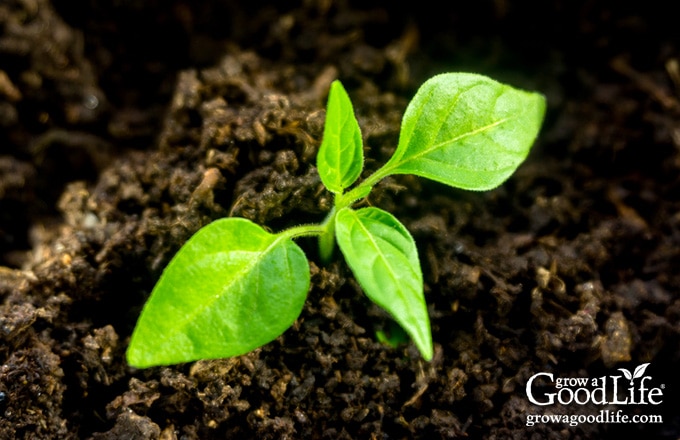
pixel 326 230
pixel 362 189
pixel 341 201
pixel 303 231
pixel 327 238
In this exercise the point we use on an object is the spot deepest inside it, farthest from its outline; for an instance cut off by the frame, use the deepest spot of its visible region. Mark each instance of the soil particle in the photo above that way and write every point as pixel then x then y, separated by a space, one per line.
pixel 617 340
pixel 32 383
pixel 131 426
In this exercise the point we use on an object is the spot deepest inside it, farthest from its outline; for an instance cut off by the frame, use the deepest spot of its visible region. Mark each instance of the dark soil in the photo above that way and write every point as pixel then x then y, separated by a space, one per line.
pixel 125 126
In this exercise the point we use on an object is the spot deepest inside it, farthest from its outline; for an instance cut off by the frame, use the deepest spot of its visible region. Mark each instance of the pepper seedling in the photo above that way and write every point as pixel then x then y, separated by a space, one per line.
pixel 234 286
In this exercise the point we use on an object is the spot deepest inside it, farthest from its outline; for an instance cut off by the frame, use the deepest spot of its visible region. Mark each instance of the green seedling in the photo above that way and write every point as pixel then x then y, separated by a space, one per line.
pixel 234 286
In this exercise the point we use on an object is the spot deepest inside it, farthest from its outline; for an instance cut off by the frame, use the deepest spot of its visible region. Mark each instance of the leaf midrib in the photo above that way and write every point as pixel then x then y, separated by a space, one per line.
pixel 379 252
pixel 190 317
pixel 435 147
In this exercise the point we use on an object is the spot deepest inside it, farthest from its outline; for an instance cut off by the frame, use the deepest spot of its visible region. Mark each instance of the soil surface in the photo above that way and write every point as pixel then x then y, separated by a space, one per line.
pixel 126 126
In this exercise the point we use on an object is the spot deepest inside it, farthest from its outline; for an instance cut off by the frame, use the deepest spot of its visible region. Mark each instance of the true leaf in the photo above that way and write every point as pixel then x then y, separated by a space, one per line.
pixel 384 259
pixel 467 131
pixel 341 157
pixel 231 288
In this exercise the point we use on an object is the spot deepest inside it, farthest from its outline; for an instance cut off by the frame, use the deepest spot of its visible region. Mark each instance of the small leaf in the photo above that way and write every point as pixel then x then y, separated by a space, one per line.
pixel 467 131
pixel 341 155
pixel 626 373
pixel 384 259
pixel 640 370
pixel 231 288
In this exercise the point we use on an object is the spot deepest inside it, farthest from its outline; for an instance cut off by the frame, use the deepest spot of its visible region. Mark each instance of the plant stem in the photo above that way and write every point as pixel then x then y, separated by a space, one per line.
pixel 362 189
pixel 327 238
pixel 326 229
pixel 303 230
pixel 341 201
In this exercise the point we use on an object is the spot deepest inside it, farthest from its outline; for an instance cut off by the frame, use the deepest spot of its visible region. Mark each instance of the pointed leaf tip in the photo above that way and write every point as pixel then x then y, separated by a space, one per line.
pixel 341 156
pixel 466 130
pixel 640 370
pixel 384 259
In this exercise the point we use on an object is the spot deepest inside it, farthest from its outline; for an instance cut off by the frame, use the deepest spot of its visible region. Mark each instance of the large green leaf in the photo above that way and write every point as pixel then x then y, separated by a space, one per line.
pixel 231 288
pixel 384 259
pixel 341 155
pixel 467 131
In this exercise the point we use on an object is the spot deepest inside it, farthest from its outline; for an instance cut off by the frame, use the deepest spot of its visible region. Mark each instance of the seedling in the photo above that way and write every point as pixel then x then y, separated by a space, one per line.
pixel 234 287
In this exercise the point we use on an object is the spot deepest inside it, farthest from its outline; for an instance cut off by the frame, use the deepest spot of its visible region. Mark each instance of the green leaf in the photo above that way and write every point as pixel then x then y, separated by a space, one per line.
pixel 341 156
pixel 384 259
pixel 231 288
pixel 467 131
